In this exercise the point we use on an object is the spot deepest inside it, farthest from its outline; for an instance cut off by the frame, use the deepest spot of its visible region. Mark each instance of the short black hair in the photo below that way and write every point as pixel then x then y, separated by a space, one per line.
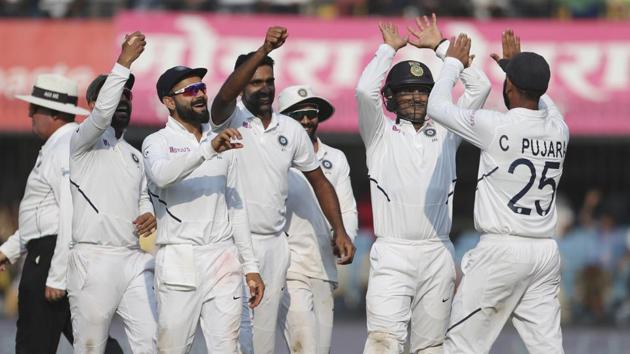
pixel 532 95
pixel 243 58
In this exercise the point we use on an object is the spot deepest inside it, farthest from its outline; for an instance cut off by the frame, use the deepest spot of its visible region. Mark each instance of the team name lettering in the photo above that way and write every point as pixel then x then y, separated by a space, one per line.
pixel 544 148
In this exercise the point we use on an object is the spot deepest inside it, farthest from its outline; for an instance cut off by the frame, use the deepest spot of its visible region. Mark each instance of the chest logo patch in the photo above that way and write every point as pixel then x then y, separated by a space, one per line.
pixel 327 164
pixel 430 132
pixel 283 140
pixel 105 142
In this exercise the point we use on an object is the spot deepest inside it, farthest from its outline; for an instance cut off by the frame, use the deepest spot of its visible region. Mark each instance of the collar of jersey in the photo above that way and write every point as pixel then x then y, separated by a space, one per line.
pixel 172 123
pixel 406 125
pixel 538 113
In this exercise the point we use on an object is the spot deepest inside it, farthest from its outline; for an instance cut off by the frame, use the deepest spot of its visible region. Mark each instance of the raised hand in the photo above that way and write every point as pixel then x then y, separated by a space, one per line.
pixel 227 140
pixel 132 47
pixel 460 49
pixel 256 288
pixel 391 35
pixel 426 34
pixel 511 44
pixel 275 38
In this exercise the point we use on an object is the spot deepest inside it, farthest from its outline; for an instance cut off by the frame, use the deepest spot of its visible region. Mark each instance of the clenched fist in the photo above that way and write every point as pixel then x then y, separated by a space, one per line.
pixel 275 38
pixel 132 47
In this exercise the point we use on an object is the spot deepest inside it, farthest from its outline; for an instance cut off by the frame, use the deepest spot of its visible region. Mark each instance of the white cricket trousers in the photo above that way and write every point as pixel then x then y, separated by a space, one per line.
pixel 258 326
pixel 411 282
pixel 306 314
pixel 106 280
pixel 507 276
pixel 198 284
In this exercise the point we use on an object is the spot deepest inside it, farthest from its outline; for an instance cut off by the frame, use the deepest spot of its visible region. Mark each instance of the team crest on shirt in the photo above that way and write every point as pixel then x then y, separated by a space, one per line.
pixel 430 132
pixel 283 140
pixel 105 142
pixel 327 164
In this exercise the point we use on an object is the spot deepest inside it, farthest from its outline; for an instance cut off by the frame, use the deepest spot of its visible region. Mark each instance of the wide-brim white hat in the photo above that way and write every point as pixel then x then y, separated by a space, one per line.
pixel 302 94
pixel 55 92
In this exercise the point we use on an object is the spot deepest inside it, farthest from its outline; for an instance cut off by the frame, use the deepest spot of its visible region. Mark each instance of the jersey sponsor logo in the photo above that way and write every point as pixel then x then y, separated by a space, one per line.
pixel 174 150
pixel 283 140
pixel 327 164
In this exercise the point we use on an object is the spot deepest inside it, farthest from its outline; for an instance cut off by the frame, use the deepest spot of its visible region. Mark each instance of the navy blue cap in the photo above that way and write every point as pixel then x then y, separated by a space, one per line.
pixel 174 75
pixel 528 71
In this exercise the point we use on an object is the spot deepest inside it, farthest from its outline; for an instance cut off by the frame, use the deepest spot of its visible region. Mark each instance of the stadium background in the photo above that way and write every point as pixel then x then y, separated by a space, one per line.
pixel 585 41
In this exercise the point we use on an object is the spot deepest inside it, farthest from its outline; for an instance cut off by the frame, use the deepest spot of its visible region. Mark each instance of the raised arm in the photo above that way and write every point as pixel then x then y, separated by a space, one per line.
pixel 368 90
pixel 475 126
pixel 109 96
pixel 477 86
pixel 164 168
pixel 241 233
pixel 224 102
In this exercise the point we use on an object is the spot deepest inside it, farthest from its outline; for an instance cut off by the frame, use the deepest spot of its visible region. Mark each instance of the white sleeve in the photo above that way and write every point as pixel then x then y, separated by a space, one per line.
pixel 13 247
pixel 547 103
pixel 59 179
pixel 304 158
pixel 476 126
pixel 347 203
pixel 238 218
pixel 145 205
pixel 100 118
pixel 368 95
pixel 163 168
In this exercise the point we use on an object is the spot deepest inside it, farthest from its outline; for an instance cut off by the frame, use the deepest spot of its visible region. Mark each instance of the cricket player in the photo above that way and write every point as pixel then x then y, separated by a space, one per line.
pixel 411 165
pixel 272 144
pixel 108 272
pixel 306 311
pixel 514 271
pixel 203 231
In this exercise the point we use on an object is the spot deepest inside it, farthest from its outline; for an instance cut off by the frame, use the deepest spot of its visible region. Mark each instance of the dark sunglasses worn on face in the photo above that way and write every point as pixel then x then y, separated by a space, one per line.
pixel 309 113
pixel 191 90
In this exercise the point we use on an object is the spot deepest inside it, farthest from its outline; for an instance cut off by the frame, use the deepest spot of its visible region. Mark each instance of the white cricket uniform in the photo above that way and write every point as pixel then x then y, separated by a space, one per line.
pixel 108 272
pixel 515 268
pixel 412 272
pixel 267 155
pixel 46 208
pixel 306 312
pixel 202 229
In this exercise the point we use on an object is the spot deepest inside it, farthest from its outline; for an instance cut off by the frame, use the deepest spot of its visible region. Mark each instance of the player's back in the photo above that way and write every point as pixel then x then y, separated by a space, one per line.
pixel 519 172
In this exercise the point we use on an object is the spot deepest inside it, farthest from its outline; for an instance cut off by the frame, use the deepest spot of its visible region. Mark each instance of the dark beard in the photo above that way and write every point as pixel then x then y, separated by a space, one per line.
pixel 506 99
pixel 121 117
pixel 189 115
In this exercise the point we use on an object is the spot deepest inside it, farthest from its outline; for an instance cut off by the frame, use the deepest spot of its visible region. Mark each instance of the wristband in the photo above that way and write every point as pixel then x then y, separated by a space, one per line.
pixel 440 42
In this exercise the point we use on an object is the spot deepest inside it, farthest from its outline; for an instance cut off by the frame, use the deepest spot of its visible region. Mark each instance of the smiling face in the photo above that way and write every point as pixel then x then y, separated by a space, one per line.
pixel 189 101
pixel 308 116
pixel 411 103
pixel 259 93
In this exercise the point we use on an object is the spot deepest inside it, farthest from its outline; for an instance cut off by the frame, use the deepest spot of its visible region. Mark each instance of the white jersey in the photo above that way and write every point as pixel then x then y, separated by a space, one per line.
pixel 522 154
pixel 109 188
pixel 412 173
pixel 266 156
pixel 196 192
pixel 307 228
pixel 46 208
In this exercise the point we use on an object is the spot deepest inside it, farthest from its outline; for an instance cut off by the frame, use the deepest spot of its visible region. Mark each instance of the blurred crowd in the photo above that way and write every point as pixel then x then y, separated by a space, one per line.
pixel 481 9
pixel 594 241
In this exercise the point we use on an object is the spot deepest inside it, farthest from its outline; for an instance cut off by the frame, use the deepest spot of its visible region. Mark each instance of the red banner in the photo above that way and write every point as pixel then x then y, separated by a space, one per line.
pixel 590 61
pixel 78 49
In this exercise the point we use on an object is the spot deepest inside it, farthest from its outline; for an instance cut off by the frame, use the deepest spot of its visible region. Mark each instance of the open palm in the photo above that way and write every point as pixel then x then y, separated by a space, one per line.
pixel 391 35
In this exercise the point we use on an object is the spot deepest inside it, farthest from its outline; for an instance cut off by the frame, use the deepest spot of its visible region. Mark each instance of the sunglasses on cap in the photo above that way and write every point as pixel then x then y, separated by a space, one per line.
pixel 190 90
pixel 309 113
